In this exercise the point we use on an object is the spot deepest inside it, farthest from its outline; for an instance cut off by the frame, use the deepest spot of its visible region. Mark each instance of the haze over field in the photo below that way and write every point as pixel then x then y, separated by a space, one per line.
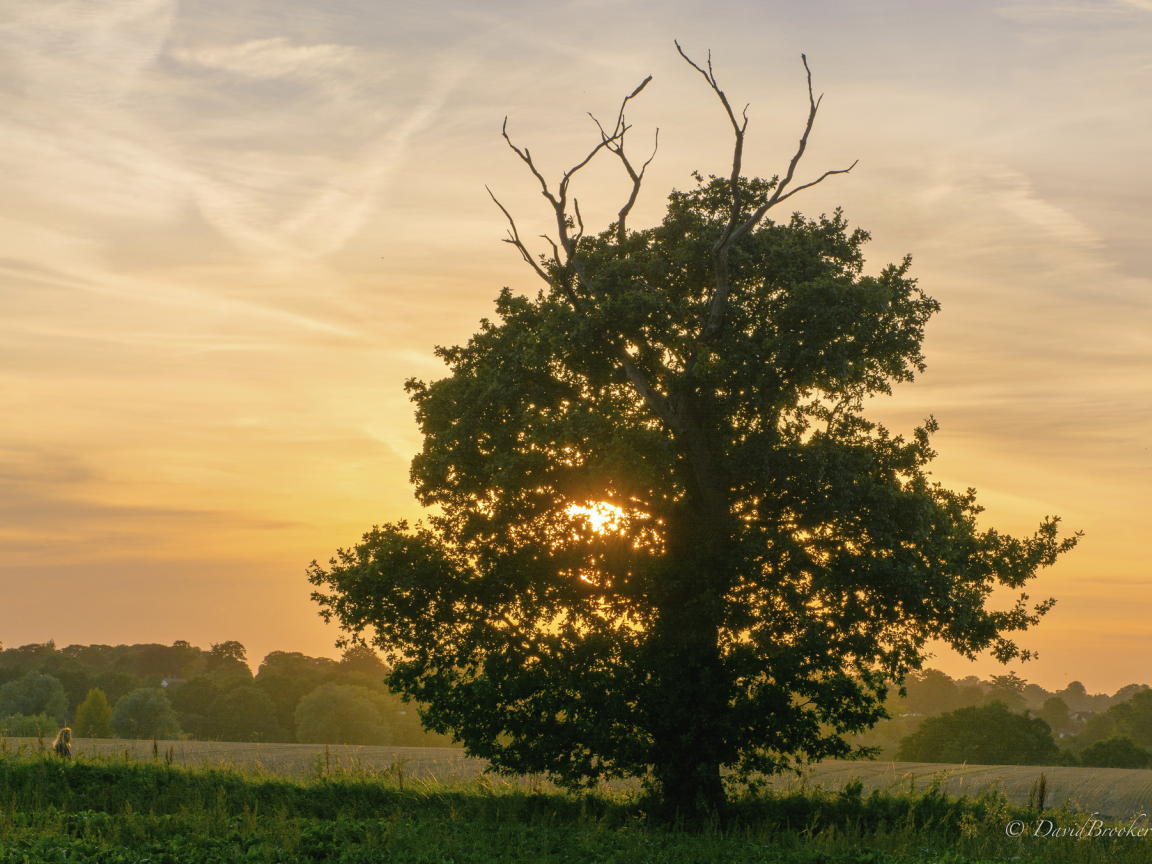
pixel 227 237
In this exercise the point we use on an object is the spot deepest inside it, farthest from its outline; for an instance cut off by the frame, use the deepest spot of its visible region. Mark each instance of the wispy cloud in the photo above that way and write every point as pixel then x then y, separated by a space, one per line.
pixel 276 57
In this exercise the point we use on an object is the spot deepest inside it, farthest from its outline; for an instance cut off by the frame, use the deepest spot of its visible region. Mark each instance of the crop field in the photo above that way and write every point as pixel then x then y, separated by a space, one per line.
pixel 1116 793
pixel 283 760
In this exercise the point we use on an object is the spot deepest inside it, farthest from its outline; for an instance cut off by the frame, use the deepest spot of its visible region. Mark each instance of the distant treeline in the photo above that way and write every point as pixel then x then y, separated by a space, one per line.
pixel 933 692
pixel 1006 720
pixel 180 690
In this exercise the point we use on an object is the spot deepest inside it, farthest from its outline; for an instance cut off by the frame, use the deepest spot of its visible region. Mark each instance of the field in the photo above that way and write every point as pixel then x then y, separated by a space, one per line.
pixel 199 805
pixel 1115 793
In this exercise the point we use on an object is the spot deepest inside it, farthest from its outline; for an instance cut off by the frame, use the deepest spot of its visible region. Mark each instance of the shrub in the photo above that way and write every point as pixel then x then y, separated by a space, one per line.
pixel 145 713
pixel 28 726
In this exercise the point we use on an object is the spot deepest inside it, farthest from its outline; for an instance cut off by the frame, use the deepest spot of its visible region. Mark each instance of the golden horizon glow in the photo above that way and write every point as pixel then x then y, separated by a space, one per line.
pixel 230 236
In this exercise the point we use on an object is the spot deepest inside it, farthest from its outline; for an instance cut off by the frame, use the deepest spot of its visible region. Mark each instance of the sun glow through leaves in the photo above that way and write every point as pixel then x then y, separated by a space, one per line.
pixel 603 517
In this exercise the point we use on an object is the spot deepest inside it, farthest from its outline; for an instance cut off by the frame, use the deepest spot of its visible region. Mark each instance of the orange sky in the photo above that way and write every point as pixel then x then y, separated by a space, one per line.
pixel 227 237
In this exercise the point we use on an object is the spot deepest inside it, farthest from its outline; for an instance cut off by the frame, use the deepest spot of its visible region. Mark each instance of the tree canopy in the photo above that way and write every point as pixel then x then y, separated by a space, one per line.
pixel 665 540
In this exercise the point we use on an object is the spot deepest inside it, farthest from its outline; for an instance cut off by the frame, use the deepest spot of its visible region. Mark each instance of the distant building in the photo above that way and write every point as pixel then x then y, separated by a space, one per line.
pixel 173 682
pixel 1080 716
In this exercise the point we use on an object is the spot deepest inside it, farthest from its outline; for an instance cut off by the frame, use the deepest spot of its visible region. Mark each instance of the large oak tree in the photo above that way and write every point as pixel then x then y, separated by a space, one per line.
pixel 666 541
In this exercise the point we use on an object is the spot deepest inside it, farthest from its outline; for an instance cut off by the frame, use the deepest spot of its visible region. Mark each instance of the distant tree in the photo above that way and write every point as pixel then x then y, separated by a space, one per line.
pixel 1075 696
pixel 981 735
pixel 116 684
pixel 929 692
pixel 341 714
pixel 969 694
pixel 34 693
pixel 28 726
pixel 1008 689
pixel 1120 752
pixel 1036 696
pixel 28 657
pixel 145 713
pixel 229 658
pixel 1098 727
pixel 1133 718
pixel 287 677
pixel 150 661
pixel 72 675
pixel 244 713
pixel 1055 713
pixel 192 703
pixel 93 716
pixel 1127 692
pixel 359 657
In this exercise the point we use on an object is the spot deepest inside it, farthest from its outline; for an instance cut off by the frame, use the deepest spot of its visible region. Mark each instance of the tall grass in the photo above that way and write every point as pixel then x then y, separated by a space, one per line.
pixel 119 809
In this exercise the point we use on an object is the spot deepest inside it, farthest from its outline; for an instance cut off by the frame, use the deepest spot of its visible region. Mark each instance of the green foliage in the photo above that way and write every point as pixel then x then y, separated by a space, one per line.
pixel 1133 718
pixel 228 708
pixel 928 692
pixel 34 693
pixel 341 714
pixel 223 702
pixel 192 703
pixel 1119 752
pixel 93 716
pixel 287 677
pixel 228 661
pixel 1055 713
pixel 134 812
pixel 244 713
pixel 981 735
pixel 28 726
pixel 1099 727
pixel 360 659
pixel 1008 689
pixel 145 713
pixel 73 676
pixel 117 684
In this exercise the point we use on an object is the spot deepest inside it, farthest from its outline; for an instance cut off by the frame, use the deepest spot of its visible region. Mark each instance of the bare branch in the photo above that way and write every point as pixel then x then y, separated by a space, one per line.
pixel 579 222
pixel 614 143
pixel 514 240
pixel 737 152
pixel 526 157
pixel 555 250
pixel 817 180
pixel 559 201
pixel 734 231
pixel 617 135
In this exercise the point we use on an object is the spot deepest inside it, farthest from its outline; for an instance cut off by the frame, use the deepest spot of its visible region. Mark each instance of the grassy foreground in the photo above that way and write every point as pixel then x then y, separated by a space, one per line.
pixel 118 810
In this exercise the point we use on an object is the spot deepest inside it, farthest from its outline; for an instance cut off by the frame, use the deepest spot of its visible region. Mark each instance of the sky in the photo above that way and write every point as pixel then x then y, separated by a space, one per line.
pixel 229 232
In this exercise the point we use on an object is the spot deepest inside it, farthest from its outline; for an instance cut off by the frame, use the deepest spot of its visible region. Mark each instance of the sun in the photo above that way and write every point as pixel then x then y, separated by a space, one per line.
pixel 603 517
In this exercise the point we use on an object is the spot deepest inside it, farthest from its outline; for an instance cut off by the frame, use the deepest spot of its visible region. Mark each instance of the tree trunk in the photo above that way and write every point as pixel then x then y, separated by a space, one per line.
pixel 692 701
pixel 691 704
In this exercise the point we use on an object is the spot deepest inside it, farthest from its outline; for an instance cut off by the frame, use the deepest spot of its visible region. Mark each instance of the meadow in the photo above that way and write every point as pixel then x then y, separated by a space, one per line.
pixel 111 807
pixel 1115 793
